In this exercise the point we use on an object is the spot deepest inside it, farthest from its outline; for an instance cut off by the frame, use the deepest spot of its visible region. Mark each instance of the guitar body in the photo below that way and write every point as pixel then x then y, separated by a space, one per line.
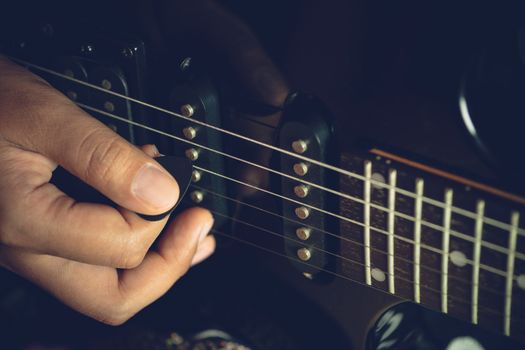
pixel 400 86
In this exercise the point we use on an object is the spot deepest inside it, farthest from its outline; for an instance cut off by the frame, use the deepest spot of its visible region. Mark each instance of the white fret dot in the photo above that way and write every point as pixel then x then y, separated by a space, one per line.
pixel 521 281
pixel 378 275
pixel 458 258
pixel 464 343
pixel 377 177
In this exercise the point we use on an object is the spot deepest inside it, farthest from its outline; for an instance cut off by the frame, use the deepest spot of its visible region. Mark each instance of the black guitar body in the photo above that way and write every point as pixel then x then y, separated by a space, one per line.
pixel 406 84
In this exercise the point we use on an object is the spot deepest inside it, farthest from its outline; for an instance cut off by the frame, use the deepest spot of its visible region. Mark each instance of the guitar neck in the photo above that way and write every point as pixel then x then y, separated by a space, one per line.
pixel 445 242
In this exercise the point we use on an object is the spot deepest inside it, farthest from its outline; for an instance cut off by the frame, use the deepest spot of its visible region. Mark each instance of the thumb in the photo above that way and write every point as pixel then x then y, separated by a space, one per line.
pixel 116 168
pixel 43 120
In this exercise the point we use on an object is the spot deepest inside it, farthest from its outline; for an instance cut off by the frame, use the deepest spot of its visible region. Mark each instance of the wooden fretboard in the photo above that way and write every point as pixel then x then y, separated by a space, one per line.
pixel 451 245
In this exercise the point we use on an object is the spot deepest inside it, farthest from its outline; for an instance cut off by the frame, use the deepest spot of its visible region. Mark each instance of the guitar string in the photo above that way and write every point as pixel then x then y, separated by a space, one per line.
pixel 356 262
pixel 338 275
pixel 493 222
pixel 180 139
pixel 437 250
pixel 305 243
pixel 454 233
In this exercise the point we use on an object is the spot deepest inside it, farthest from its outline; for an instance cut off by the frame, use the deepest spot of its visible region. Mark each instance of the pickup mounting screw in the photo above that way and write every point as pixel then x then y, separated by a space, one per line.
pixel 187 110
pixel 301 191
pixel 308 275
pixel 87 49
pixel 189 132
pixel 300 168
pixel 197 196
pixel 127 52
pixel 299 146
pixel 109 106
pixel 106 84
pixel 303 233
pixel 185 64
pixel 304 254
pixel 302 212
pixel 192 154
pixel 196 176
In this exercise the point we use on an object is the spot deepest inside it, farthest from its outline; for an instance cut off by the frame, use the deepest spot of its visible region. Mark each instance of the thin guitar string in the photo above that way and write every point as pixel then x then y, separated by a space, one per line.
pixel 459 235
pixel 401 238
pixel 356 262
pixel 468 261
pixel 219 233
pixel 305 243
pixel 493 222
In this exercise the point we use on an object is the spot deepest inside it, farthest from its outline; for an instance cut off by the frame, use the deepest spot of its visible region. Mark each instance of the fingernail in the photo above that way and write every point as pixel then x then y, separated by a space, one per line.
pixel 155 151
pixel 155 187
pixel 205 229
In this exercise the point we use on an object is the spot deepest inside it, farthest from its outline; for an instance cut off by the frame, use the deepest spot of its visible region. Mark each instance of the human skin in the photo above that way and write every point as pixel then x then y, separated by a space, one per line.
pixel 95 258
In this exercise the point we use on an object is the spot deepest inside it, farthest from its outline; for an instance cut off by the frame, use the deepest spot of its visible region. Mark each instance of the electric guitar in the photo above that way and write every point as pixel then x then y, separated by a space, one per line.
pixel 400 181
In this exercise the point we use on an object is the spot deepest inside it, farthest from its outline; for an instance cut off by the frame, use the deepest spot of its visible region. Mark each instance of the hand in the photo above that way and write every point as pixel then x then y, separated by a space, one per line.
pixel 74 249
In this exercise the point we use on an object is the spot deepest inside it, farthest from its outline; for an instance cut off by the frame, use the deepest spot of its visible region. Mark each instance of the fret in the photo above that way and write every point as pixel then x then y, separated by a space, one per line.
pixel 480 212
pixel 417 239
pixel 513 236
pixel 366 217
pixel 392 178
pixel 446 248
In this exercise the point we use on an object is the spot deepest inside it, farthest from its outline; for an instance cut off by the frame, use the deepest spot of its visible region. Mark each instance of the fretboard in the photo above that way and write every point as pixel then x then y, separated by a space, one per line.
pixel 451 245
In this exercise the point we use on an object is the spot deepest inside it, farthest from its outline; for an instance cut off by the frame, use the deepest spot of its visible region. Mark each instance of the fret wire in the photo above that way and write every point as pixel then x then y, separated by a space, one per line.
pixel 445 248
pixel 480 209
pixel 515 219
pixel 366 214
pixel 457 210
pixel 358 200
pixel 463 236
pixel 333 254
pixel 431 201
pixel 360 244
pixel 417 239
pixel 313 248
pixel 215 231
pixel 391 223
pixel 401 238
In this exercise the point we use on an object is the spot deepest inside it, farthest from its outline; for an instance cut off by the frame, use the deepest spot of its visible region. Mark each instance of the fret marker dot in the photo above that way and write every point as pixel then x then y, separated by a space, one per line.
pixel 464 343
pixel 378 275
pixel 521 281
pixel 458 258
pixel 377 177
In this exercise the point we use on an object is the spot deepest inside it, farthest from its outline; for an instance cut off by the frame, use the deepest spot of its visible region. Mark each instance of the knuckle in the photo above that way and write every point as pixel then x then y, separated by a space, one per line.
pixel 131 254
pixel 183 262
pixel 102 153
pixel 115 315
